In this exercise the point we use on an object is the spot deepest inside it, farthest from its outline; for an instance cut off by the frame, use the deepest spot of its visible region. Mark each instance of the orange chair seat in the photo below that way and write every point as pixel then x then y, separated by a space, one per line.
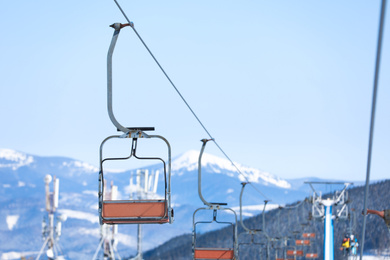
pixel 214 253
pixel 302 242
pixel 309 235
pixel 295 252
pixel 311 255
pixel 141 211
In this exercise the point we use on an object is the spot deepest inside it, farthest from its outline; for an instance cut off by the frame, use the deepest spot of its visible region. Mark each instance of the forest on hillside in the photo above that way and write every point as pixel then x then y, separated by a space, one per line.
pixel 285 225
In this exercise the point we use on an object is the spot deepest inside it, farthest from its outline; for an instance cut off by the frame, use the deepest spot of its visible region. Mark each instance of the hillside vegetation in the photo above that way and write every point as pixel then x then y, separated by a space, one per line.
pixel 289 223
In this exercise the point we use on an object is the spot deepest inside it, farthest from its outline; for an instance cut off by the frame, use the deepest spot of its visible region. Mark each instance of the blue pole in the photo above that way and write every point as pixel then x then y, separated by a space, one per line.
pixel 328 237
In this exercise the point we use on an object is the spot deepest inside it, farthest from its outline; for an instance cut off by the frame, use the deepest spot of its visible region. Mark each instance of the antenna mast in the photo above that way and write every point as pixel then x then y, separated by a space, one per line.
pixel 51 227
pixel 108 233
pixel 145 188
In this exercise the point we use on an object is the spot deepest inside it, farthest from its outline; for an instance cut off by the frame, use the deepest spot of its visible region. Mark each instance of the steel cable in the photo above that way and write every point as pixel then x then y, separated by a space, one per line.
pixel 372 121
pixel 181 96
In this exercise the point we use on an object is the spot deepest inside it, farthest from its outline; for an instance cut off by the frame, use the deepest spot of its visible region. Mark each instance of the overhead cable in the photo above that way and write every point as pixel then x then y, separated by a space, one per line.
pixel 372 123
pixel 181 96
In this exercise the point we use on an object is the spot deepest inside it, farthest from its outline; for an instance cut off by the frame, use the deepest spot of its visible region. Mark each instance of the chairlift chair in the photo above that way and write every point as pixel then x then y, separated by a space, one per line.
pixel 251 232
pixel 311 255
pixel 284 238
pixel 309 235
pixel 212 253
pixel 132 211
pixel 292 251
pixel 280 254
pixel 304 241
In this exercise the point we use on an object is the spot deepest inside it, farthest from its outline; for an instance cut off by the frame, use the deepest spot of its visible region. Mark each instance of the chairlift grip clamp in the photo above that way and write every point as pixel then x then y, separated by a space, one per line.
pixel 204 141
pixel 214 207
pixel 138 134
pixel 118 26
pixel 135 134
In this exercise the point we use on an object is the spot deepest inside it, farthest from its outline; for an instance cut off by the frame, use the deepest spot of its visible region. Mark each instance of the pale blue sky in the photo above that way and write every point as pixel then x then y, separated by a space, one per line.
pixel 283 86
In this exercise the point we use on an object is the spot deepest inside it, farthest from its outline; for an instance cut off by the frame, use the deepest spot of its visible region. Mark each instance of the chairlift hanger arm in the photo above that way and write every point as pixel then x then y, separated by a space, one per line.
pixel 210 204
pixel 114 39
pixel 241 219
pixel 266 234
pixel 117 27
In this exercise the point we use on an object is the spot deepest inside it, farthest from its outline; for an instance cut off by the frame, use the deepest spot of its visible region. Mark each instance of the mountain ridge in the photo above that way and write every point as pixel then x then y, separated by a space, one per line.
pixel 22 199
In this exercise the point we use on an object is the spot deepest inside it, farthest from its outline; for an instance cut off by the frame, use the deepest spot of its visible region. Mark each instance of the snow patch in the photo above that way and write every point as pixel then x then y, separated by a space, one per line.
pixel 70 198
pixel 257 209
pixel 255 176
pixel 372 257
pixel 80 215
pixel 127 240
pixel 81 165
pixel 14 159
pixel 16 255
pixel 11 221
pixel 189 162
pixel 90 231
pixel 94 206
pixel 114 171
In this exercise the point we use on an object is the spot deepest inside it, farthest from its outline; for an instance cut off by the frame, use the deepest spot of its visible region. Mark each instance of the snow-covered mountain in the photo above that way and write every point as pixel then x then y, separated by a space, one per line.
pixel 188 162
pixel 22 199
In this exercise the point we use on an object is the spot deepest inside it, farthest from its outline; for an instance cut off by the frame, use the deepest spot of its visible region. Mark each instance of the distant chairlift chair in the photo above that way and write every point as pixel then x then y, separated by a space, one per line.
pixel 132 211
pixel 293 252
pixel 212 253
pixel 251 232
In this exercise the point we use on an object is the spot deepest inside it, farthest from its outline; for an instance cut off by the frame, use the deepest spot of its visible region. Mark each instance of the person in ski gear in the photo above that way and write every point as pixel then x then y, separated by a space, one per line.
pixel 354 245
pixel 345 246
